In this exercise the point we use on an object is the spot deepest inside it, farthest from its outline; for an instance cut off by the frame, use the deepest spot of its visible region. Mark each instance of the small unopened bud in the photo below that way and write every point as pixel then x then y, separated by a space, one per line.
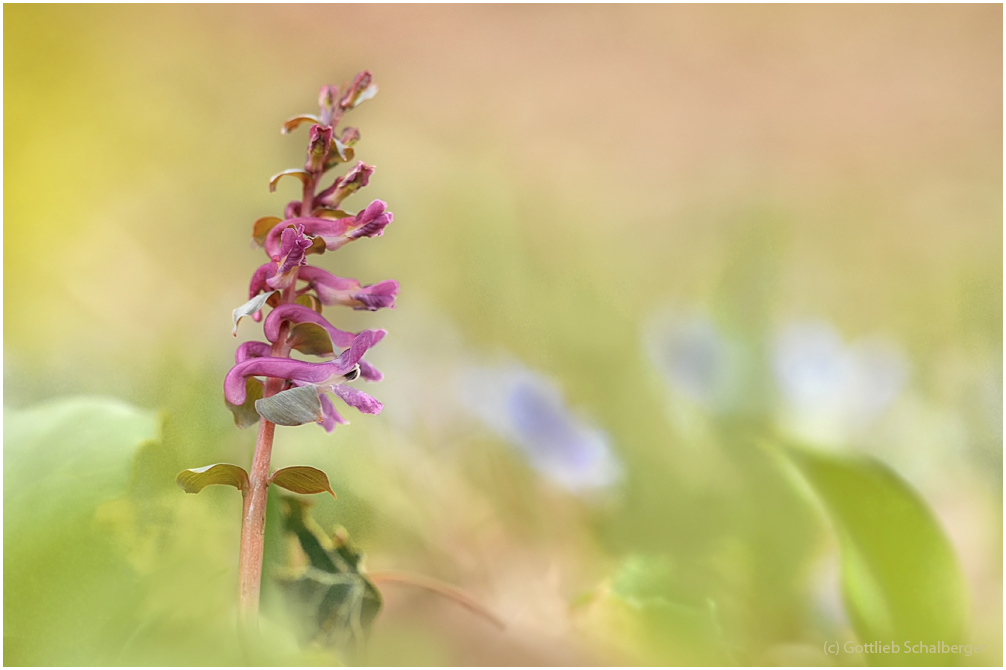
pixel 317 149
pixel 327 96
pixel 350 136
pixel 362 88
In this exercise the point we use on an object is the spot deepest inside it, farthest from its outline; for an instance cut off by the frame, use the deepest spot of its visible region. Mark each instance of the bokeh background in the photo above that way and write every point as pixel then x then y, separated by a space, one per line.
pixel 641 249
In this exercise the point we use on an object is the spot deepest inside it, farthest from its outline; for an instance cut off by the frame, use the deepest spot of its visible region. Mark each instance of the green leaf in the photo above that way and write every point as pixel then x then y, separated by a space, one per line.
pixel 333 600
pixel 311 301
pixel 300 174
pixel 293 407
pixel 901 578
pixel 311 339
pixel 246 415
pixel 262 227
pixel 249 308
pixel 64 457
pixel 224 474
pixel 302 479
pixel 293 122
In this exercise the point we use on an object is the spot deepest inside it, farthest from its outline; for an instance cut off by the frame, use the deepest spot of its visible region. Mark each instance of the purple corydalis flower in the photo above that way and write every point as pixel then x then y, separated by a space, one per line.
pixel 342 188
pixel 293 250
pixel 294 370
pixel 334 232
pixel 300 314
pixel 318 145
pixel 332 290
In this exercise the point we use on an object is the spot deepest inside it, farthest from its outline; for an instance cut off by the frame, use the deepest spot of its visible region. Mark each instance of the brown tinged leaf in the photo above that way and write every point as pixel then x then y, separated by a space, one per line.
pixel 343 154
pixel 302 479
pixel 262 227
pixel 224 474
pixel 299 173
pixel 328 213
pixel 311 301
pixel 293 122
pixel 311 339
pixel 246 415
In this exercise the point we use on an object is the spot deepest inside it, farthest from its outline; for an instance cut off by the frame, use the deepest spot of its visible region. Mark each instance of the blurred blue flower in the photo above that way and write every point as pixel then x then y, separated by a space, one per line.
pixel 696 360
pixel 830 389
pixel 528 411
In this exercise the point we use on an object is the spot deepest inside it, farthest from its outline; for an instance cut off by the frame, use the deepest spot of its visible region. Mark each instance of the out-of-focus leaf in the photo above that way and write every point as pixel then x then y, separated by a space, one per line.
pixel 311 339
pixel 294 122
pixel 249 308
pixel 331 597
pixel 667 621
pixel 64 457
pixel 309 300
pixel 302 479
pixel 262 227
pixel 293 407
pixel 246 415
pixel 901 578
pixel 300 174
pixel 195 480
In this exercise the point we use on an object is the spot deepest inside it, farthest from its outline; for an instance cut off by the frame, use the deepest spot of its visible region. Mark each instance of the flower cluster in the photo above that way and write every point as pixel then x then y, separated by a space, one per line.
pixel 296 391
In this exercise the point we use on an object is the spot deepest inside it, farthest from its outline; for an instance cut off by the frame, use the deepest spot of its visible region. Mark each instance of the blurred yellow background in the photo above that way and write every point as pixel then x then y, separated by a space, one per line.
pixel 660 213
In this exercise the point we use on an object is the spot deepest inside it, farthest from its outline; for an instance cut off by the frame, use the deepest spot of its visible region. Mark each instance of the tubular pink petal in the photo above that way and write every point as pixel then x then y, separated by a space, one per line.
pixel 369 372
pixel 294 370
pixel 260 278
pixel 330 416
pixel 358 399
pixel 377 296
pixel 253 349
pixel 299 314
pixel 313 227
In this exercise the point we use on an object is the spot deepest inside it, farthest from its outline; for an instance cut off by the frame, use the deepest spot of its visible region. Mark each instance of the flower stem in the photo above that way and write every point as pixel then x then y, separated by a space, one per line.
pixel 253 523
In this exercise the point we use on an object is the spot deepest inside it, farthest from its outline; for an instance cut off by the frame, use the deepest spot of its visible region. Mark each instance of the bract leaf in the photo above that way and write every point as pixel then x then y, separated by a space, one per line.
pixel 340 148
pixel 195 480
pixel 262 227
pixel 293 407
pixel 302 479
pixel 901 578
pixel 245 415
pixel 343 154
pixel 293 122
pixel 249 308
pixel 311 339
pixel 309 300
pixel 327 213
pixel 300 174
pixel 317 246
